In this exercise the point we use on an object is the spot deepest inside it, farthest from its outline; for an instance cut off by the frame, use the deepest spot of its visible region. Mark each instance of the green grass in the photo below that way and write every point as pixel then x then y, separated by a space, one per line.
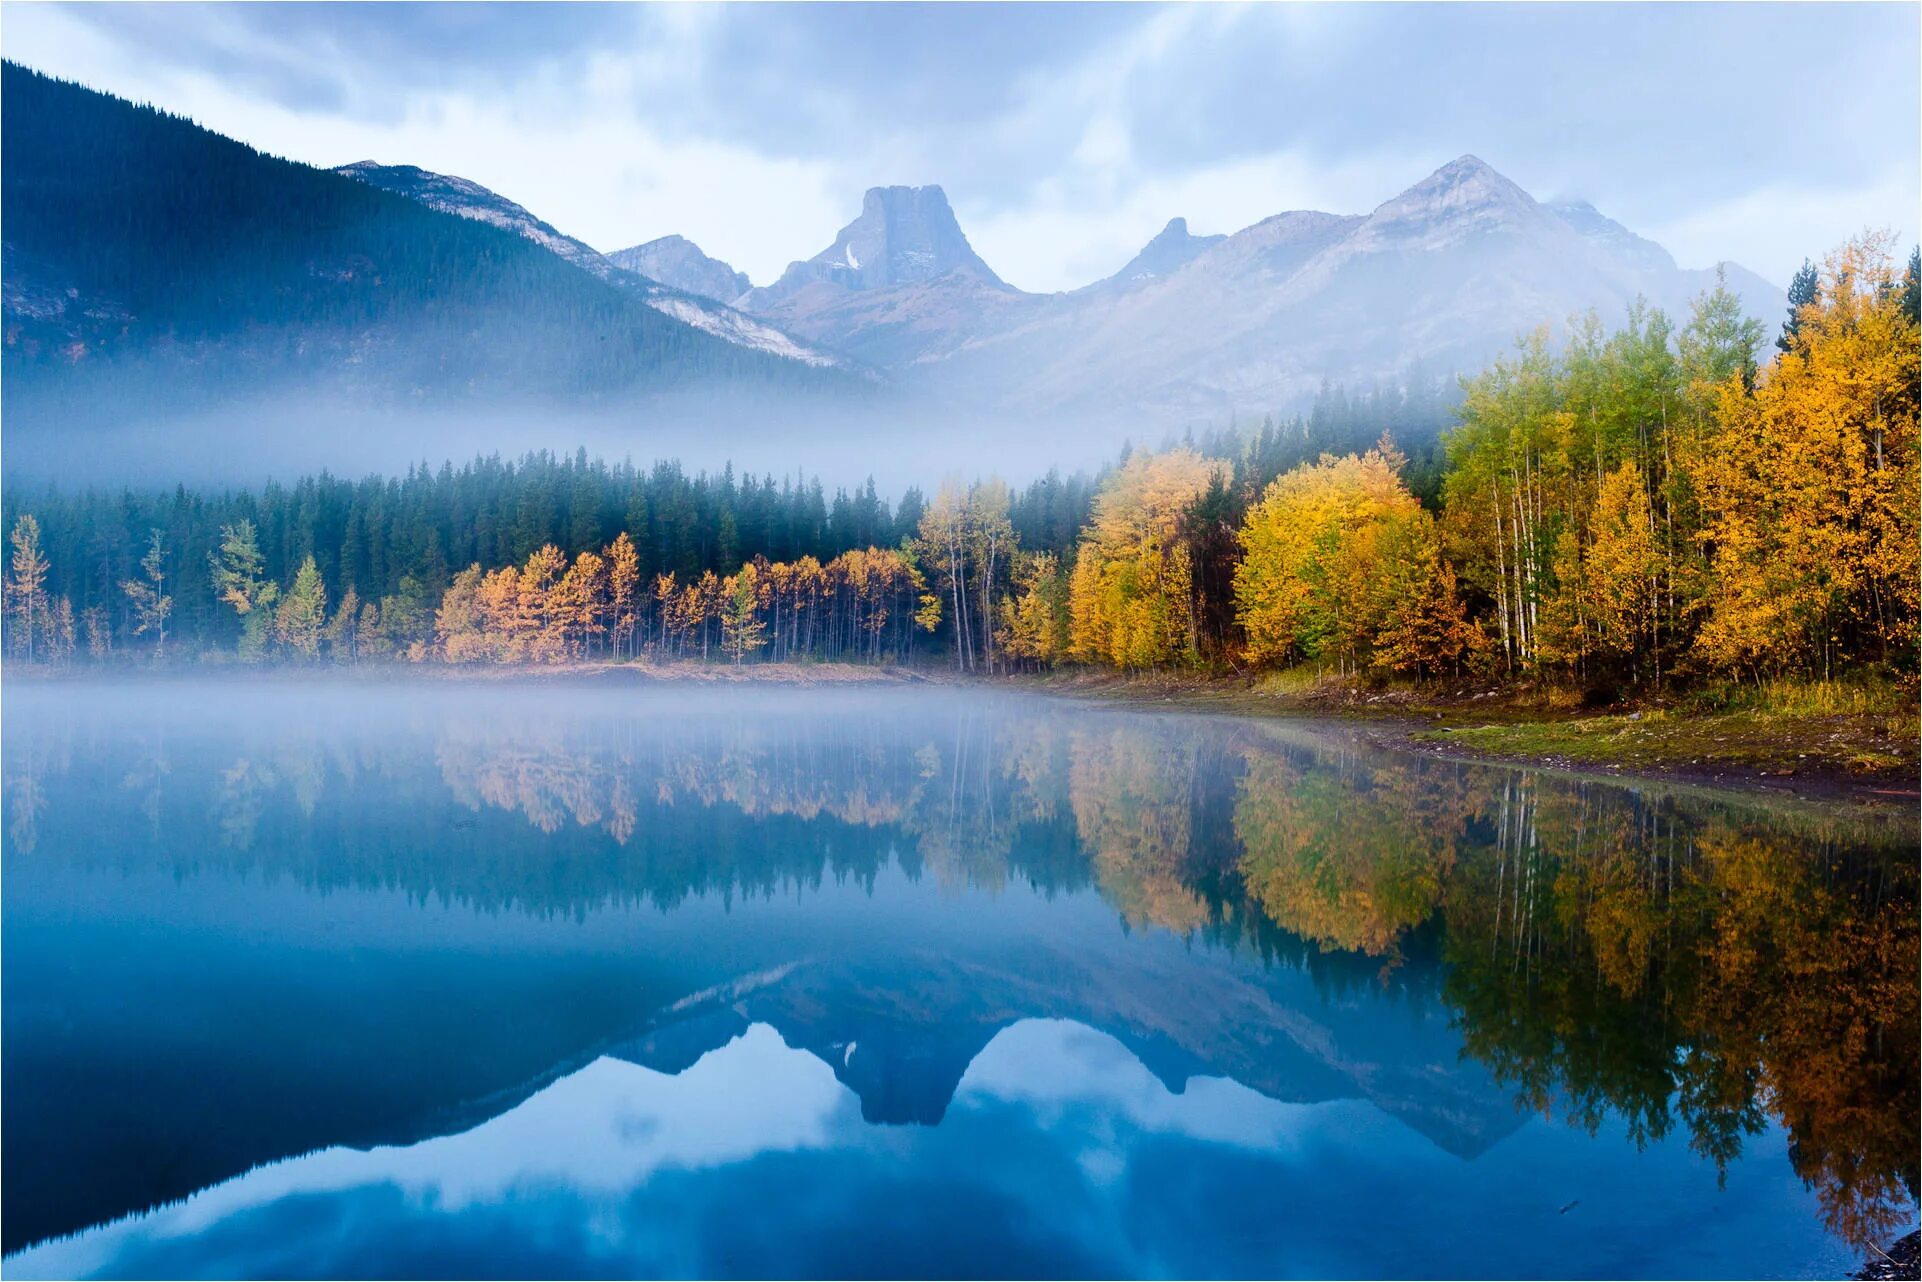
pixel 1858 696
pixel 1802 731
pixel 1303 678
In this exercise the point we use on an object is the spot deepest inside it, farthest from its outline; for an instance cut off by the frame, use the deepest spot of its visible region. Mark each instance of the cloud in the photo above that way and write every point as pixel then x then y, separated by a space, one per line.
pixel 1658 92
pixel 1065 134
pixel 358 59
pixel 1757 226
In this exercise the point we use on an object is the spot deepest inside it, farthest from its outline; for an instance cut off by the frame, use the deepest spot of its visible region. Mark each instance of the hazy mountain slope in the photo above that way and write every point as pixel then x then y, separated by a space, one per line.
pixel 1444 275
pixel 468 199
pixel 1172 248
pixel 1617 240
pixel 150 262
pixel 678 262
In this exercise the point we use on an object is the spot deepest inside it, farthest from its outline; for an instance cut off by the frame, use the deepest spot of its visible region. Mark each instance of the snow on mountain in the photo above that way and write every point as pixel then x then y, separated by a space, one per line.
pixel 1445 274
pixel 468 199
pixel 455 195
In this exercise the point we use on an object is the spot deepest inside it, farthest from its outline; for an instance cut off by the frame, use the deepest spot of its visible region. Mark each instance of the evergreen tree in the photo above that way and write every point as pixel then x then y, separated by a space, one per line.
pixel 1912 287
pixel 1804 290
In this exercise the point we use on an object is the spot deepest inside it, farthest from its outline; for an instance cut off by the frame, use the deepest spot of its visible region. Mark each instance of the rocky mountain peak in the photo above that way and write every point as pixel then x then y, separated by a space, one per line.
pixel 1464 184
pixel 904 235
pixel 1172 247
pixel 679 263
pixel 1464 198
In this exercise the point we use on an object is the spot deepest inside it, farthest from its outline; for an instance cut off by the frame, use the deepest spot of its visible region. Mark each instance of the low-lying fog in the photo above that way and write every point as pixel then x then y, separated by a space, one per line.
pixel 897 441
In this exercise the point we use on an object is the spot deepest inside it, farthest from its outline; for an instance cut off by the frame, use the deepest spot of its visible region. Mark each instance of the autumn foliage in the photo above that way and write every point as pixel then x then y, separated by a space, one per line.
pixel 863 605
pixel 1623 509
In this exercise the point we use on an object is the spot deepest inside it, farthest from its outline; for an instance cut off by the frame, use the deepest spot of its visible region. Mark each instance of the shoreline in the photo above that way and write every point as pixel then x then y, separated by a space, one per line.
pixel 1849 758
pixel 1501 728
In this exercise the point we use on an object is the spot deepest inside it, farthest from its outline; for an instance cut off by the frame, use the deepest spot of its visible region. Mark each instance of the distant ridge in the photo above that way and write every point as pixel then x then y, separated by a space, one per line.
pixel 1443 275
pixel 150 263
pixel 678 262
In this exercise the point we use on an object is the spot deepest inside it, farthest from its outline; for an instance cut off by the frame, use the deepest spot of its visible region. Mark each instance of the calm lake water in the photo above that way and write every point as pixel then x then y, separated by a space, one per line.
pixel 553 980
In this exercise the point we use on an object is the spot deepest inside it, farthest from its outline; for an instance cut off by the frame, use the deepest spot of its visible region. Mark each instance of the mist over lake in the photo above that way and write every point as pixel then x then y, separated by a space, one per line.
pixel 922 640
pixel 564 979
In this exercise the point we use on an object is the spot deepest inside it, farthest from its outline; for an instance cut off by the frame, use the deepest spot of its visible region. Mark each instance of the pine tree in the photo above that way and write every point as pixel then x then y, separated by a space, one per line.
pixel 1804 290
pixel 1912 287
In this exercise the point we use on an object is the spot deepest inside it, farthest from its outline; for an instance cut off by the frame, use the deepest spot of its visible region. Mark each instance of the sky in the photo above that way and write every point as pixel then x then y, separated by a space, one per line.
pixel 1064 135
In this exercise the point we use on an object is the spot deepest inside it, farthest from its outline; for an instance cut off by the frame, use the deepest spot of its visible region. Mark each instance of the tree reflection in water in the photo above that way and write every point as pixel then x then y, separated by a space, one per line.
pixel 1688 961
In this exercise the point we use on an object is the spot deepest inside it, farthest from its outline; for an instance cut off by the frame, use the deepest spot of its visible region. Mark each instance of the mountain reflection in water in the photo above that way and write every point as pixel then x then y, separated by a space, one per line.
pixel 604 979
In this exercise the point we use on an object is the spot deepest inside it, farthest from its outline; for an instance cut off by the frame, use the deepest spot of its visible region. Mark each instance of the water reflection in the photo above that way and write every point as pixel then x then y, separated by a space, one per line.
pixel 1090 1167
pixel 901 880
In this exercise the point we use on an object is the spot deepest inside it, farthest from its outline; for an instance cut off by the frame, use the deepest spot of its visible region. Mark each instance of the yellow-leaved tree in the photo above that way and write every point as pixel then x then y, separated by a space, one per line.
pixel 1622 575
pixel 1808 484
pixel 1340 561
pixel 1034 618
pixel 1131 597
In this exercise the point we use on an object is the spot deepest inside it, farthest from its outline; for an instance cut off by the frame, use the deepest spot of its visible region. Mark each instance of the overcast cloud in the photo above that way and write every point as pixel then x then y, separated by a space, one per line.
pixel 1065 135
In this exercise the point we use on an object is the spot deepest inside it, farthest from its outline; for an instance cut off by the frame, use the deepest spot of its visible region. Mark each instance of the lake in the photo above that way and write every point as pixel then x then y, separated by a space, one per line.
pixel 604 979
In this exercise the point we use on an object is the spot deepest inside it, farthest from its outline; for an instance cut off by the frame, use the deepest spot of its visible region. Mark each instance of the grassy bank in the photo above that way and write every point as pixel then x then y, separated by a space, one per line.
pixel 1862 745
pixel 1855 738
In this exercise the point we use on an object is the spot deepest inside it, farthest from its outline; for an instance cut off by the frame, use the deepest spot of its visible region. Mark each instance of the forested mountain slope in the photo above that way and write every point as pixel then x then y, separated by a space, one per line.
pixel 468 199
pixel 151 262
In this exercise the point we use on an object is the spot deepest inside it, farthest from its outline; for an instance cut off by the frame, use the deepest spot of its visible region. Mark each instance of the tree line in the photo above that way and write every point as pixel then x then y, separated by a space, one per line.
pixel 1624 509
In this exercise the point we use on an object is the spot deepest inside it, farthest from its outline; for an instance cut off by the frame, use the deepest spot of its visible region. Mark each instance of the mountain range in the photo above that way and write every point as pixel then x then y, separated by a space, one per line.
pixel 1446 274
pixel 148 260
